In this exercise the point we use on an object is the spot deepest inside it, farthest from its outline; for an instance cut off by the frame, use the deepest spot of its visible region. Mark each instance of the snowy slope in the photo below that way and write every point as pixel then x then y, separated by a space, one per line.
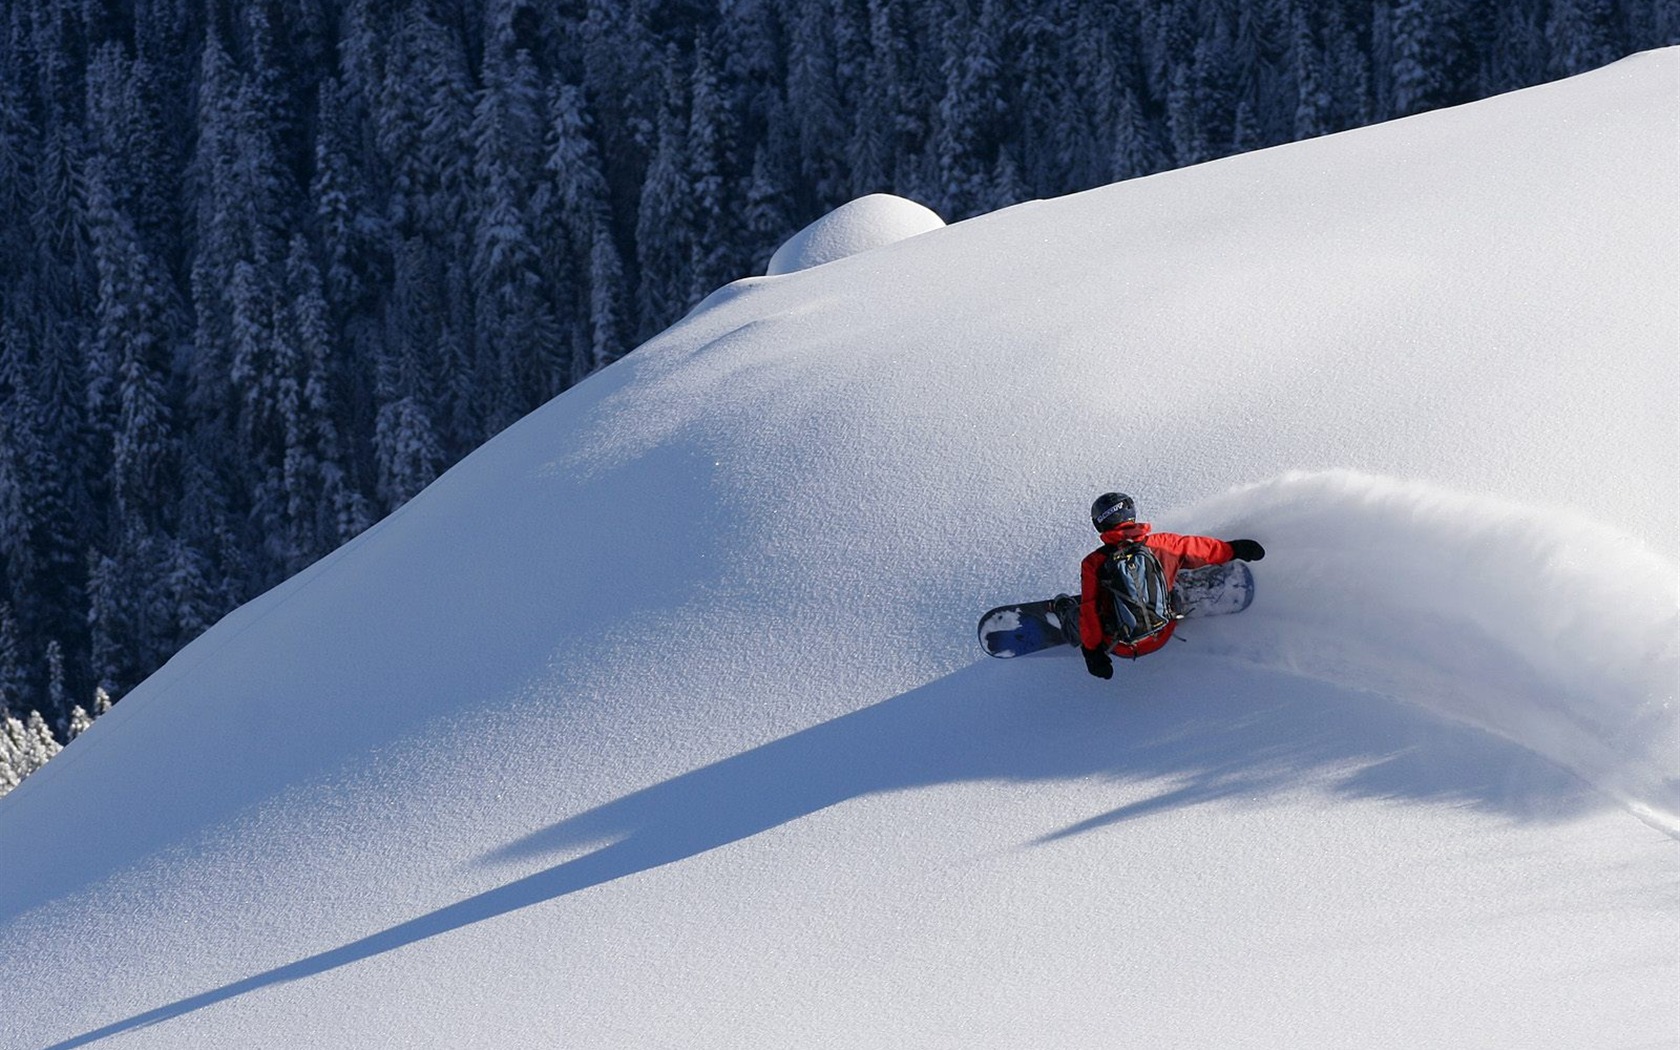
pixel 659 721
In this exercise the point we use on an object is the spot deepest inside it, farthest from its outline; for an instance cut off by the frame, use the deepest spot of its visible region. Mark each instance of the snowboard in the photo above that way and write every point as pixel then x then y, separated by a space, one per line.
pixel 1030 627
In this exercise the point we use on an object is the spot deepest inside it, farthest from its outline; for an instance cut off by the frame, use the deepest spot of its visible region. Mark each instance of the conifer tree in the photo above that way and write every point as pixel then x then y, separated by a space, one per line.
pixel 129 361
pixel 191 600
pixel 14 678
pixel 40 745
pixel 575 200
pixel 1417 75
pixel 1046 130
pixel 409 457
pixel 56 689
pixel 1347 74
pixel 870 147
pixel 662 221
pixel 1582 35
pixel 408 448
pixel 1135 150
pixel 323 510
pixel 769 207
pixel 814 101
pixel 713 240
pixel 1312 95
pixel 519 357
pixel 353 235
pixel 969 126
pixel 11 755
pixel 606 302
pixel 1520 55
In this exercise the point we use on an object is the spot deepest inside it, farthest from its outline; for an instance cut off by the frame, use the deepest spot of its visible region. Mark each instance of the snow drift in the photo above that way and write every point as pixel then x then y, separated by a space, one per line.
pixel 1553 630
pixel 660 721
pixel 872 221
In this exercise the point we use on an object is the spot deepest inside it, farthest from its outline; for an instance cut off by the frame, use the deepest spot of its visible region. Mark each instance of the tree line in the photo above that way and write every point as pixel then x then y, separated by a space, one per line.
pixel 267 268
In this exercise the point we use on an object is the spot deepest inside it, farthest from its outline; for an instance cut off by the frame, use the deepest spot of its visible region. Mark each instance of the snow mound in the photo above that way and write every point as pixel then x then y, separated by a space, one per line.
pixel 1555 631
pixel 868 222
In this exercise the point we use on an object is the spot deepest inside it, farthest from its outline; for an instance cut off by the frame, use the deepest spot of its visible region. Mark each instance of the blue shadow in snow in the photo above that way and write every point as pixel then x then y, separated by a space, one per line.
pixel 1210 731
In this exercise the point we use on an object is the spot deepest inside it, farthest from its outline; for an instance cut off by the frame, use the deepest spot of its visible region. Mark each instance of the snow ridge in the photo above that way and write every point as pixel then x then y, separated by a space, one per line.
pixel 1553 630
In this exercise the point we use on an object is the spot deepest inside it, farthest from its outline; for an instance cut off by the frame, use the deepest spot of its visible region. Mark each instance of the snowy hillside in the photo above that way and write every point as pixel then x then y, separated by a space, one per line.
pixel 659 721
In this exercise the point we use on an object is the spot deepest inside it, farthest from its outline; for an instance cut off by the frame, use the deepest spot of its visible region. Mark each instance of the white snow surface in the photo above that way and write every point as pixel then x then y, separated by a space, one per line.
pixel 872 221
pixel 659 721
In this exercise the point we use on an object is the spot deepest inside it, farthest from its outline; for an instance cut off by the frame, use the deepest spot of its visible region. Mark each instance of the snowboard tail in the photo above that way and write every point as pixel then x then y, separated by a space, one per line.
pixel 1031 627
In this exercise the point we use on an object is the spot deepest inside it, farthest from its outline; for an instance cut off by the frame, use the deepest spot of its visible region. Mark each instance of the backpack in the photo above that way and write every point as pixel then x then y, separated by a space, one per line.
pixel 1142 605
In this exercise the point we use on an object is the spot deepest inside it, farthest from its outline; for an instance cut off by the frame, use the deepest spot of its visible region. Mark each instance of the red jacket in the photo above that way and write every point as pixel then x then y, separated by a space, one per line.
pixel 1174 551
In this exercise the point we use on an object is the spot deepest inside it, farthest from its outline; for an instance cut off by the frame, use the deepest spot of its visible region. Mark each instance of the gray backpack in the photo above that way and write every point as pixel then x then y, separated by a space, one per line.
pixel 1142 604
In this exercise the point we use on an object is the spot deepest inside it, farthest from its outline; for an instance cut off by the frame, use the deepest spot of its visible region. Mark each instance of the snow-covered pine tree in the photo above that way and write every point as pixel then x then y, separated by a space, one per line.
pixel 130 137
pixel 14 678
pixel 1047 134
pixel 56 691
pixel 814 102
pixel 41 556
pixel 430 84
pixel 1190 142
pixel 1135 149
pixel 408 453
pixel 1312 94
pixel 25 746
pixel 518 355
pixel 713 241
pixel 663 229
pixel 323 507
pixel 353 235
pixel 872 147
pixel 10 777
pixel 769 207
pixel 18 556
pixel 1582 35
pixel 408 448
pixel 607 319
pixel 117 627
pixel 19 139
pixel 39 744
pixel 130 360
pixel 260 369
pixel 1416 72
pixel 574 201
pixel 970 125
pixel 1347 74
pixel 1519 55
pixel 192 601
pixel 10 757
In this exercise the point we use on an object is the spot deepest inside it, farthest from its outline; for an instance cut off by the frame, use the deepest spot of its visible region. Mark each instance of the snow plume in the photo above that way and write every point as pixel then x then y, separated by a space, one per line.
pixel 1555 631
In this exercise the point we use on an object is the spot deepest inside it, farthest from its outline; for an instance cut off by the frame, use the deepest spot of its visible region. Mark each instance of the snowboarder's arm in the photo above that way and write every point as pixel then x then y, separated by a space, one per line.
pixel 1195 551
pixel 1090 621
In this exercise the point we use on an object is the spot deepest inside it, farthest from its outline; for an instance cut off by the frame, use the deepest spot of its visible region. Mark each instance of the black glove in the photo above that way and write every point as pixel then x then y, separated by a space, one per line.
pixel 1098 663
pixel 1247 550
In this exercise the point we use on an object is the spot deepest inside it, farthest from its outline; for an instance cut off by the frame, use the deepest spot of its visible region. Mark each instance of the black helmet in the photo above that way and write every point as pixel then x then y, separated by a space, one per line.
pixel 1111 510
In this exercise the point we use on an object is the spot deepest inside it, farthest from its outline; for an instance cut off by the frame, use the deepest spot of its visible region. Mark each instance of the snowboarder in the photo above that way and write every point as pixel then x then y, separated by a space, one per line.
pixel 1123 605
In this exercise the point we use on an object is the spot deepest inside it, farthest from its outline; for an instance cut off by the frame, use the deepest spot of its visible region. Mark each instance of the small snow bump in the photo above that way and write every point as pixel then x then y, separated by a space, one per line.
pixel 868 222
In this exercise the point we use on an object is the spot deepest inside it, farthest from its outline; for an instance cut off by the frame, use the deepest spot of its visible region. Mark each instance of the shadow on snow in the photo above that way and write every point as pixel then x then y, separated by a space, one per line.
pixel 1203 730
